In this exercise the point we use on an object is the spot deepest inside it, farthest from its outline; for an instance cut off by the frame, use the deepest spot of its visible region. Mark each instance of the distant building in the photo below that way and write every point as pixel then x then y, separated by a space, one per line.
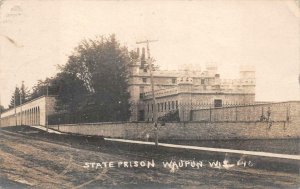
pixel 34 112
pixel 186 89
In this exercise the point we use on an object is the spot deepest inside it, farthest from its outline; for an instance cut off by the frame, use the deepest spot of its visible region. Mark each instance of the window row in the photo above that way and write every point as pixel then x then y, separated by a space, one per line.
pixel 173 80
pixel 163 106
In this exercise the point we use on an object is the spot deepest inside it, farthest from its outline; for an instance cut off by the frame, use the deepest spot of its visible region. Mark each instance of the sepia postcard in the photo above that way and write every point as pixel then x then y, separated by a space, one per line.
pixel 149 94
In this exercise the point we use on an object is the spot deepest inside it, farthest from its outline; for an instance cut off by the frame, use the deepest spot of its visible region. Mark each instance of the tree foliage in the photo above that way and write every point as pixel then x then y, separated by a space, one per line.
pixel 25 93
pixel 21 94
pixel 2 109
pixel 15 98
pixel 92 86
pixel 95 79
pixel 43 88
pixel 72 94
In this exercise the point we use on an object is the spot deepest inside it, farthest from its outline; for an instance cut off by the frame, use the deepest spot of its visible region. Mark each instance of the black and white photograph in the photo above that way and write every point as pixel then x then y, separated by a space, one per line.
pixel 149 94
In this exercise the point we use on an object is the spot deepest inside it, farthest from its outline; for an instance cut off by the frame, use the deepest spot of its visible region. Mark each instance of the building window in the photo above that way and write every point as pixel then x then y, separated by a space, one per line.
pixel 145 70
pixel 202 81
pixel 176 105
pixel 169 104
pixel 165 105
pixel 173 105
pixel 141 92
pixel 141 116
pixel 218 103
pixel 158 107
pixel 141 95
pixel 144 80
pixel 173 80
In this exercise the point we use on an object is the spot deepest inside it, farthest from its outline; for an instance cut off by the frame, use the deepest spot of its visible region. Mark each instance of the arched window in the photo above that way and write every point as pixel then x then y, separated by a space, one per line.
pixel 38 116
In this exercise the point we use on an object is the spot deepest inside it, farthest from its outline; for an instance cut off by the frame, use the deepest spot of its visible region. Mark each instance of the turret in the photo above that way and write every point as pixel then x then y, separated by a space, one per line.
pixel 247 78
pixel 212 70
pixel 185 80
pixel 185 83
pixel 143 58
pixel 247 72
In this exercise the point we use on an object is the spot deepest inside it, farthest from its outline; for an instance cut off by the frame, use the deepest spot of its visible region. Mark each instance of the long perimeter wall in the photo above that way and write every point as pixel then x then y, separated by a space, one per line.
pixel 281 111
pixel 200 130
pixel 188 131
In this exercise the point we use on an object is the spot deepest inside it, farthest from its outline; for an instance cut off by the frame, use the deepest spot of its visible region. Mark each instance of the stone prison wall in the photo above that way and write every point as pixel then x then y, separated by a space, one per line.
pixel 247 127
pixel 271 111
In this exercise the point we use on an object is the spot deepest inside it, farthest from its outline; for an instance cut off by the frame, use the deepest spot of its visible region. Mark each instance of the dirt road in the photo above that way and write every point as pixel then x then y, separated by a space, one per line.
pixel 28 159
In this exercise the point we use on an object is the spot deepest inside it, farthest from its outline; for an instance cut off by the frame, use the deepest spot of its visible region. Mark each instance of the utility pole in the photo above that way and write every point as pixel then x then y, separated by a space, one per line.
pixel 15 107
pixel 46 107
pixel 0 113
pixel 150 66
pixel 21 103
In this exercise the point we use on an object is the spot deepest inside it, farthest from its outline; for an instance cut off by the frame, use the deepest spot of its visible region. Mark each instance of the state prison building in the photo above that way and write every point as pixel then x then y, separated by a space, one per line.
pixel 182 90
pixel 185 90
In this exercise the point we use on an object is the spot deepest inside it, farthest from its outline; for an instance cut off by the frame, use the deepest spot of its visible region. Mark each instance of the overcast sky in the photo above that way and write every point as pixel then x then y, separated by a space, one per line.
pixel 264 34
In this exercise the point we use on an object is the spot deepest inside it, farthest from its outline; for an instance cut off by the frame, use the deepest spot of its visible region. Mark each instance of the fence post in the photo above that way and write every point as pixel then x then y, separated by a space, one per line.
pixel 210 113
pixel 236 114
pixel 288 113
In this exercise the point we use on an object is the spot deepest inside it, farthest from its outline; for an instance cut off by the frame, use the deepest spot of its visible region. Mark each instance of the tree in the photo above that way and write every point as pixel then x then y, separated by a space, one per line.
pixel 24 92
pixel 101 65
pixel 43 88
pixel 71 92
pixel 15 98
pixel 2 109
pixel 38 90
pixel 21 94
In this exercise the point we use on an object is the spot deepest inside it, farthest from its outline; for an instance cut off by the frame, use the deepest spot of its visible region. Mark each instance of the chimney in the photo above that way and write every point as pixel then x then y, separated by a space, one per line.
pixel 138 52
pixel 143 60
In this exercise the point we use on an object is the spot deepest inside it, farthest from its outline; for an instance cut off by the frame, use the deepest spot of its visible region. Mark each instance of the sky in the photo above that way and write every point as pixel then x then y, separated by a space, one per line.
pixel 36 36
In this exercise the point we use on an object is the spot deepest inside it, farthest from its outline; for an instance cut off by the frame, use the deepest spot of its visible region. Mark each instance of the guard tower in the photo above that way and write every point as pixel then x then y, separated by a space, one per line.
pixel 247 81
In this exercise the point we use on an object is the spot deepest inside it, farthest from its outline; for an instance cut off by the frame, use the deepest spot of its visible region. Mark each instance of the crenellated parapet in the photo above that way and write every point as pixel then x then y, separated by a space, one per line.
pixel 185 80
